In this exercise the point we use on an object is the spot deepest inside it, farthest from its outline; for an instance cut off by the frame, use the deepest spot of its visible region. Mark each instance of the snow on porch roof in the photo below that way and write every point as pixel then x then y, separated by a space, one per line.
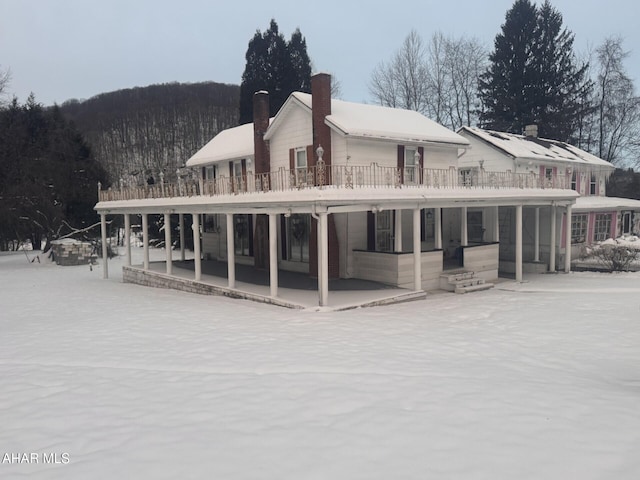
pixel 384 123
pixel 539 149
pixel 231 144
pixel 595 202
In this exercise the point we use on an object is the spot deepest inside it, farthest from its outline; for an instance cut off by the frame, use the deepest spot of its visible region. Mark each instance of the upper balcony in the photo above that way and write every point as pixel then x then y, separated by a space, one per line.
pixel 339 177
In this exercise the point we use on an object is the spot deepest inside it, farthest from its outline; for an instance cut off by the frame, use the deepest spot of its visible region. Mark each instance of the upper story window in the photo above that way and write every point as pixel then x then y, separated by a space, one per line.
pixel 574 181
pixel 593 185
pixel 411 164
pixel 301 164
pixel 211 172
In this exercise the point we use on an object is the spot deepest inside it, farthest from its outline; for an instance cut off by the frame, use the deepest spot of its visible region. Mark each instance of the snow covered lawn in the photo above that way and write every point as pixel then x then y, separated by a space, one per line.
pixel 539 380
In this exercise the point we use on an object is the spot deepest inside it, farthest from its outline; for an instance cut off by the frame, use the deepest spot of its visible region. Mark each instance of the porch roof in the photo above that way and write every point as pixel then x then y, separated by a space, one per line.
pixel 594 203
pixel 337 200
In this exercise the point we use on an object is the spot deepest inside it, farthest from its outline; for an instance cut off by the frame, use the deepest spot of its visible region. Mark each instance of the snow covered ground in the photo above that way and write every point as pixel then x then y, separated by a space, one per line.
pixel 525 381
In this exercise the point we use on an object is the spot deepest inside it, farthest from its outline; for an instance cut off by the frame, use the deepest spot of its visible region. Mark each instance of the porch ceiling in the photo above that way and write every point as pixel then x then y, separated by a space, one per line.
pixel 334 200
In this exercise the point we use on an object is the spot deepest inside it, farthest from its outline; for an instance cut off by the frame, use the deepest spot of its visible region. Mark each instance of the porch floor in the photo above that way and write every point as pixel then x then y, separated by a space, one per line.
pixel 295 290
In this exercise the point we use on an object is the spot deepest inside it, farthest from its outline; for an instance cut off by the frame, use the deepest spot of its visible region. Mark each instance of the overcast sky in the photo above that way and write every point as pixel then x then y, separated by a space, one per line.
pixel 62 49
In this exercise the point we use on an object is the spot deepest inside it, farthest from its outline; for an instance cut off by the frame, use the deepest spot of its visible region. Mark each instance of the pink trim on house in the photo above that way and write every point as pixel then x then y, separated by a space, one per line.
pixel 541 171
pixel 578 181
pixel 614 225
pixel 563 229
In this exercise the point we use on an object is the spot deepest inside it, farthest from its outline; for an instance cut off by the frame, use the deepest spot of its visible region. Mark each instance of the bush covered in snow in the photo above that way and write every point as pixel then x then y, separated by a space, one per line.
pixel 617 255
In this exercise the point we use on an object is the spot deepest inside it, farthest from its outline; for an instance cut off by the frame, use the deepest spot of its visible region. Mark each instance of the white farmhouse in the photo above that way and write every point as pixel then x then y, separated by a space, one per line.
pixel 333 189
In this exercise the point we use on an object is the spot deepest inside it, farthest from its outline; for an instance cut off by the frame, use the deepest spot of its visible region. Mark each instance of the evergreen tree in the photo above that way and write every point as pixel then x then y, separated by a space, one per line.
pixel 48 177
pixel 532 76
pixel 274 65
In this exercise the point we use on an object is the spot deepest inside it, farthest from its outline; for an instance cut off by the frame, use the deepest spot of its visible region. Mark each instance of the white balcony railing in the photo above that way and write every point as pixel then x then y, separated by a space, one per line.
pixel 338 176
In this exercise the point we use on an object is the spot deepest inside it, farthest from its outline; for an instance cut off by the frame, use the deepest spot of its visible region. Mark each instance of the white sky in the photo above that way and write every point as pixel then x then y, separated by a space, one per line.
pixel 77 48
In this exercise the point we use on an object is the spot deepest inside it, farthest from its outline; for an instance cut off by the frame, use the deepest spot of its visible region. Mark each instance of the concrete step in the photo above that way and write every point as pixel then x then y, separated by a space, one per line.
pixel 468 283
pixel 474 288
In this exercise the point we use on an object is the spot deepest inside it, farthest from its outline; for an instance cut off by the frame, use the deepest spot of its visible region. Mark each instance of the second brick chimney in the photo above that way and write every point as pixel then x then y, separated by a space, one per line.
pixel 321 107
pixel 262 157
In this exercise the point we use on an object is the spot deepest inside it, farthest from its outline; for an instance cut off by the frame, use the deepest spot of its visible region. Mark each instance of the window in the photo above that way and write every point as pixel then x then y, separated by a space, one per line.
pixel 578 228
pixel 574 181
pixel 298 229
pixel 602 227
pixel 428 224
pixel 411 165
pixel 592 185
pixel 466 177
pixel 301 166
pixel 242 234
pixel 211 172
pixel 626 223
pixel 384 231
pixel 548 177
pixel 211 223
pixel 475 231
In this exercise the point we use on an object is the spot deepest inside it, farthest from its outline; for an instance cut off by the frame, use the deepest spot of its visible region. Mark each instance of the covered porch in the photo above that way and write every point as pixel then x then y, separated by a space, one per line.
pixel 418 269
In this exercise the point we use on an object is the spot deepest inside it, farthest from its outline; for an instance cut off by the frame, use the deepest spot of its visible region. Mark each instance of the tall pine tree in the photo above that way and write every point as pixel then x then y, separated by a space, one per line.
pixel 274 65
pixel 533 77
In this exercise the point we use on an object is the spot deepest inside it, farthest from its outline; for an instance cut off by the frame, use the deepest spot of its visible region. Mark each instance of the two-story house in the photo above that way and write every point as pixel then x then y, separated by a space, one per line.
pixel 334 189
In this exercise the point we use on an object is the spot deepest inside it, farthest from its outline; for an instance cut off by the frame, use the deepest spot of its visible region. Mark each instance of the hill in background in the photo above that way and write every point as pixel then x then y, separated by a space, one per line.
pixel 137 133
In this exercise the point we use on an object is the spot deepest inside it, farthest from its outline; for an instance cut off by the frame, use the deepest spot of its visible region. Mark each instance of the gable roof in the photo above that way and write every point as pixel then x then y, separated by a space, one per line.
pixel 374 122
pixel 230 144
pixel 534 148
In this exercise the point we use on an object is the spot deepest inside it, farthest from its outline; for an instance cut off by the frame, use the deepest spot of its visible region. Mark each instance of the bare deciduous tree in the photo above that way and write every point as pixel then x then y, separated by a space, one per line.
pixel 617 108
pixel 5 78
pixel 439 80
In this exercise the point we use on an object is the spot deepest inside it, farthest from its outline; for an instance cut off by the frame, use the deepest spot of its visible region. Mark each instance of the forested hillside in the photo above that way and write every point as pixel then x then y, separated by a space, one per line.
pixel 139 132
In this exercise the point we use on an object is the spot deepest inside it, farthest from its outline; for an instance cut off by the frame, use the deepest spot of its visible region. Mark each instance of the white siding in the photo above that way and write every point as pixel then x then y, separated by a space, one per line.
pixel 494 160
pixel 295 131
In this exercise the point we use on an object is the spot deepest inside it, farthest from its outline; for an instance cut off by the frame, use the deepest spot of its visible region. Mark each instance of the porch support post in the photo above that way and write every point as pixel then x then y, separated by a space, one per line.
pixel 145 241
pixel 323 259
pixel 273 254
pixel 167 242
pixel 567 241
pixel 496 225
pixel 552 241
pixel 437 218
pixel 417 255
pixel 536 237
pixel 464 234
pixel 197 261
pixel 181 227
pixel 105 256
pixel 397 232
pixel 127 238
pixel 231 253
pixel 519 243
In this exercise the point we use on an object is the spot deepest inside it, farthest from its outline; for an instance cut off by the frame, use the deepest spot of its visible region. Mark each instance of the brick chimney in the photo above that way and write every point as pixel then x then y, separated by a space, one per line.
pixel 262 161
pixel 262 158
pixel 531 131
pixel 321 107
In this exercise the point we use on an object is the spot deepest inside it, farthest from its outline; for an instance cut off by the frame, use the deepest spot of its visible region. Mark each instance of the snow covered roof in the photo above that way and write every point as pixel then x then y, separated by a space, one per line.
pixel 231 144
pixel 594 202
pixel 538 149
pixel 376 122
